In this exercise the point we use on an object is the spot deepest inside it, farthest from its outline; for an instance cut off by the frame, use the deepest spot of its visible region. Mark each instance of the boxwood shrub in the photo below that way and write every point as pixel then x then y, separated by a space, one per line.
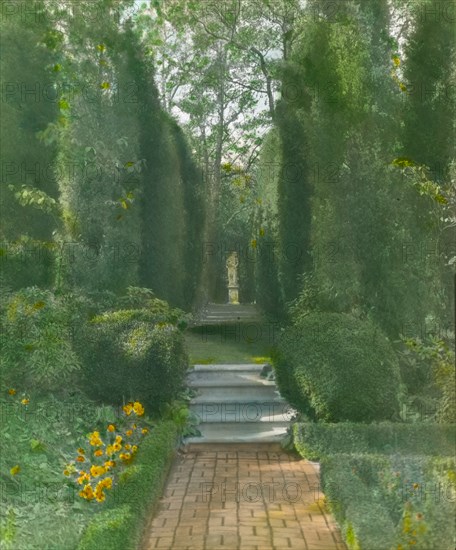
pixel 391 501
pixel 314 440
pixel 128 355
pixel 335 367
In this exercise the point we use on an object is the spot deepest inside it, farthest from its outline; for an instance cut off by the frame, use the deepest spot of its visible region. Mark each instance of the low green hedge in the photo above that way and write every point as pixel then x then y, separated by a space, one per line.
pixel 121 525
pixel 335 367
pixel 391 501
pixel 316 440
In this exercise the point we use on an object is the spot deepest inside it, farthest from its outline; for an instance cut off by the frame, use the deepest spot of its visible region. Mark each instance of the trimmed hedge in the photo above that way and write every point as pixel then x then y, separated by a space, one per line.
pixel 316 440
pixel 128 355
pixel 122 523
pixel 335 367
pixel 387 502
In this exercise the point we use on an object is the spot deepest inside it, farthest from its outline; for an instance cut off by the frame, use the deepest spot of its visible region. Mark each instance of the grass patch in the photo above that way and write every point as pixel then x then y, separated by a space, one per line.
pixel 203 361
pixel 237 343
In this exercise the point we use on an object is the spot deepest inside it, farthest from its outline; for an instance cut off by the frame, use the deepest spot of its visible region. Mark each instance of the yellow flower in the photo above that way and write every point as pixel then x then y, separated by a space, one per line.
pixel 15 470
pixel 81 451
pixel 106 482
pixel 396 60
pixel 25 401
pixel 98 452
pixel 134 426
pixel 66 473
pixel 80 459
pixel 134 448
pixel 99 495
pixel 83 477
pixel 118 439
pixel 12 391
pixel 87 492
pixel 125 456
pixel 109 464
pixel 70 469
pixel 117 447
pixel 129 432
pixel 111 428
pixel 95 440
pixel 128 408
pixel 138 408
pixel 97 471
pixel 128 447
pixel 144 431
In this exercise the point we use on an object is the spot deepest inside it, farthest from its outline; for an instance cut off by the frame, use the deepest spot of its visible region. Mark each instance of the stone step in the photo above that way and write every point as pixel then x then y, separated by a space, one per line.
pixel 214 314
pixel 230 307
pixel 219 378
pixel 230 313
pixel 256 412
pixel 227 367
pixel 227 315
pixel 234 404
pixel 236 393
pixel 222 321
pixel 235 432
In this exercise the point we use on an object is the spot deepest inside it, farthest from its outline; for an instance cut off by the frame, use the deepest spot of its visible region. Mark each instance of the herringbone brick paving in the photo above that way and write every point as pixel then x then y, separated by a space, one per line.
pixel 242 497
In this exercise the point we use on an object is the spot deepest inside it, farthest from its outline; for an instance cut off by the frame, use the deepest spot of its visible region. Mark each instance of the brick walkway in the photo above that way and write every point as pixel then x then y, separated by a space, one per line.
pixel 242 497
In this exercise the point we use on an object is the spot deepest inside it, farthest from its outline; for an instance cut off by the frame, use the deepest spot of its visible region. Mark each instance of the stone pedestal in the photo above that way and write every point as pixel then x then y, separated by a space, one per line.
pixel 233 295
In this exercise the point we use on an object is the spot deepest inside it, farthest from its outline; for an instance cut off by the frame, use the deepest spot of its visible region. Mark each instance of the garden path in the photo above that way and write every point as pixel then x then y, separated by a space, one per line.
pixel 242 497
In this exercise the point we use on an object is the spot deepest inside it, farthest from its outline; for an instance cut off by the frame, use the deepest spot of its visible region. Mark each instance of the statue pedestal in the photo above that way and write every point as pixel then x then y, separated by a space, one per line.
pixel 233 295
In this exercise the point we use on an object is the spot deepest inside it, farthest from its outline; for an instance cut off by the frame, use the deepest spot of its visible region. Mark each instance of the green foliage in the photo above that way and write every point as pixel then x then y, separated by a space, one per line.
pixel 317 440
pixel 335 367
pixel 340 121
pixel 37 350
pixel 268 291
pixel 429 90
pixel 39 492
pixel 27 262
pixel 122 523
pixel 28 106
pixel 387 502
pixel 159 310
pixel 439 356
pixel 294 189
pixel 130 355
pixel 179 413
pixel 39 437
